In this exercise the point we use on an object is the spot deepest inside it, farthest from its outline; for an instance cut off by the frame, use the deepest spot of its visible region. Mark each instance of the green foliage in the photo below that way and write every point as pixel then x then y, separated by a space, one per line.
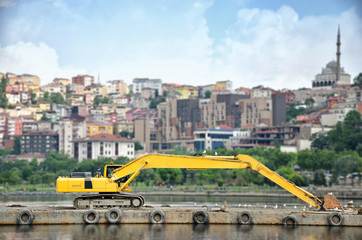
pixel 319 179
pixel 33 98
pixel 5 151
pixel 358 80
pixel 169 175
pixel 320 141
pixel 293 112
pixel 346 135
pixel 35 179
pixel 55 161
pixel 17 145
pixel 56 98
pixel 207 94
pixel 297 179
pixel 3 99
pixel 309 102
pixel 125 133
pixel 277 144
pixel 116 129
pixel 93 166
pixel 10 176
pixel 44 117
pixel 155 102
pixel 57 164
pixel 26 173
pixel 99 100
pixel 138 146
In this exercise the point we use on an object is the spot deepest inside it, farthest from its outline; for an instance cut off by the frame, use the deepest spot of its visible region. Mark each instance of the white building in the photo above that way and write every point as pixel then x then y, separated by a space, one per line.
pixel 103 145
pixel 261 92
pixel 211 139
pixel 65 131
pixel 13 98
pixel 140 83
pixel 117 86
pixel 336 115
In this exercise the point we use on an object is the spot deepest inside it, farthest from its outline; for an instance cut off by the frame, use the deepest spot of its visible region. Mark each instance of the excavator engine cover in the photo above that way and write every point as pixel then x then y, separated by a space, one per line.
pixel 330 202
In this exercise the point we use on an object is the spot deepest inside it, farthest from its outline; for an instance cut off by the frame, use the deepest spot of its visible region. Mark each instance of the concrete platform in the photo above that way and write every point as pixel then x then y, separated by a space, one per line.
pixel 172 215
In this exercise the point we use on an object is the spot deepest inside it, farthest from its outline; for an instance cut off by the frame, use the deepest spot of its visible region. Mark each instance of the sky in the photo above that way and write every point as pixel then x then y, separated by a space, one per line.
pixel 278 44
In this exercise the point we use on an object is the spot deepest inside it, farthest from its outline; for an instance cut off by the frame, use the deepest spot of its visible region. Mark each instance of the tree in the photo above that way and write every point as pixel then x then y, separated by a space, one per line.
pixel 106 100
pixel 46 97
pixel 277 144
pixel 116 129
pixel 155 102
pixel 26 173
pixel 319 178
pixel 344 135
pixel 44 117
pixel 33 98
pixel 97 101
pixel 17 145
pixel 57 98
pixel 138 146
pixel 320 141
pixel 207 94
pixel 309 102
pixel 3 99
pixel 124 133
pixel 358 80
pixel 293 112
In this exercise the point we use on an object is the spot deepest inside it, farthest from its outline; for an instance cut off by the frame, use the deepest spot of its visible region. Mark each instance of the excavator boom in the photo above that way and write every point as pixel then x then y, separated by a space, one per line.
pixel 111 186
pixel 216 162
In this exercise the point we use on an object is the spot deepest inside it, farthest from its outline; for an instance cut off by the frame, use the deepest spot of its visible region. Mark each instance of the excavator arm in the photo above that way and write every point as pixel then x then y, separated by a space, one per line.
pixel 209 162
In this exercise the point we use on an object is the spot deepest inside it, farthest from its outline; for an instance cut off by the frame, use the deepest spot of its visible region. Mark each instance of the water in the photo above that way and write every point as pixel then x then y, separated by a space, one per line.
pixel 173 231
pixel 176 231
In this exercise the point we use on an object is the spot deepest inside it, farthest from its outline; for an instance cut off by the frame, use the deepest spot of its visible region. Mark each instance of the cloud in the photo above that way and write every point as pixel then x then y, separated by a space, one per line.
pixel 276 48
pixel 280 49
pixel 7 3
pixel 38 59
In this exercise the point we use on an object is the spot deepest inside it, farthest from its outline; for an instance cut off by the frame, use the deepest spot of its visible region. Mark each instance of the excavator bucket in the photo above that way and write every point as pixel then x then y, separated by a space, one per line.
pixel 330 202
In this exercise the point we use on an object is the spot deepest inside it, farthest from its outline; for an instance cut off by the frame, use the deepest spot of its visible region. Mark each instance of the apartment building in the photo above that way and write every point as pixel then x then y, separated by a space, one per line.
pixel 261 92
pixel 269 111
pixel 39 142
pixel 103 145
pixel 211 139
pixel 221 109
pixel 84 80
pixel 95 128
pixel 187 91
pixel 24 78
pixel 117 87
pixel 140 83
pixel 64 128
pixel 223 86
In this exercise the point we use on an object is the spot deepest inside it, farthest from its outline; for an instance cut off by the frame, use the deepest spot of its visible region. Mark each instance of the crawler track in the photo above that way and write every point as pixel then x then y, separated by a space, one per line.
pixel 104 200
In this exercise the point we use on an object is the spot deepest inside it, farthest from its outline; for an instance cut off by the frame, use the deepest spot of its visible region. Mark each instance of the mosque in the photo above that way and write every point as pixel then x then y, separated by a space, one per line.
pixel 332 74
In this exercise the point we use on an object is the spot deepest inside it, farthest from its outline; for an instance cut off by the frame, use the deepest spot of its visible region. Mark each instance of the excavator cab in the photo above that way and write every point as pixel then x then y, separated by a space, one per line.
pixel 108 169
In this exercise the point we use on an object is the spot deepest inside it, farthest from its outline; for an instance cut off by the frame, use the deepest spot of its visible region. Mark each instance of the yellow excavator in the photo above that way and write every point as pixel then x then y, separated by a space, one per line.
pixel 110 188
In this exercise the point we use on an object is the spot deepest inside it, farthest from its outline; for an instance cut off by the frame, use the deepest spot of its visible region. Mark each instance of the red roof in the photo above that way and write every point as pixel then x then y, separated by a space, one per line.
pixel 248 126
pixel 225 127
pixel 104 137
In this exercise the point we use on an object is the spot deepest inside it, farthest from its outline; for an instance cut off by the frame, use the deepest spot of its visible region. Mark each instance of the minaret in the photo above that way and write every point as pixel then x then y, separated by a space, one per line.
pixel 338 56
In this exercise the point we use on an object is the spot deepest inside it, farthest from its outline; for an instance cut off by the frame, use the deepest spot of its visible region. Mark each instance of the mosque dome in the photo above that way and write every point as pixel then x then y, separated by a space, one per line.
pixel 332 65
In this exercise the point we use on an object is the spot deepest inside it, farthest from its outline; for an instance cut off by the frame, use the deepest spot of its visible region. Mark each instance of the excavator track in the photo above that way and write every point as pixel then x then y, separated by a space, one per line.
pixel 106 200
